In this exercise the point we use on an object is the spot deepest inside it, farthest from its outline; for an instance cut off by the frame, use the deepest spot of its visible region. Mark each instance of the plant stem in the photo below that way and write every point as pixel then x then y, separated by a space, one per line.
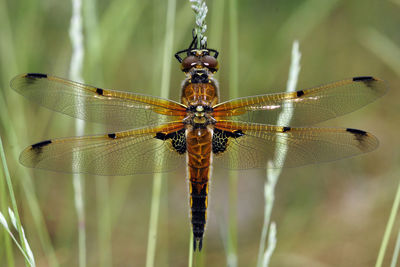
pixel 388 229
pixel 273 174
pixel 76 35
pixel 13 199
pixel 3 208
pixel 396 250
pixel 157 178
pixel 233 93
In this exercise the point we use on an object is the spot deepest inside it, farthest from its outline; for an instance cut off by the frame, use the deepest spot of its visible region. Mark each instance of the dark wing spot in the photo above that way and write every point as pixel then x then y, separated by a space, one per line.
pixel 363 79
pixel 300 93
pixel 236 134
pixel 39 145
pixel 220 139
pixel 367 80
pixel 356 132
pixel 99 91
pixel 178 139
pixel 286 129
pixel 112 135
pixel 161 136
pixel 36 75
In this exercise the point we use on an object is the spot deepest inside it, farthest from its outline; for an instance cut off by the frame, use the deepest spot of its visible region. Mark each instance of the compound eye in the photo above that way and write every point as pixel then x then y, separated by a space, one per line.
pixel 210 62
pixel 188 63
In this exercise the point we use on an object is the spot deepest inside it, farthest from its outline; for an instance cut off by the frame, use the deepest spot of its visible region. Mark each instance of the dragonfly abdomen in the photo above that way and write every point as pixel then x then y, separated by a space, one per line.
pixel 199 160
pixel 198 205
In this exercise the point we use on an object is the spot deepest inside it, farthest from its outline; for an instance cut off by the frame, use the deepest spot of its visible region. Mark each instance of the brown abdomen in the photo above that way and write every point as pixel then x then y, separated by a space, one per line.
pixel 199 160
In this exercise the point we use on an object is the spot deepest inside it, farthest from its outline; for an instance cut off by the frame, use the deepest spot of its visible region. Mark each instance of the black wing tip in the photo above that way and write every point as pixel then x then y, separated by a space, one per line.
pixel 357 132
pixel 378 85
pixel 363 79
pixel 36 75
pixel 26 78
pixel 41 144
pixel 366 141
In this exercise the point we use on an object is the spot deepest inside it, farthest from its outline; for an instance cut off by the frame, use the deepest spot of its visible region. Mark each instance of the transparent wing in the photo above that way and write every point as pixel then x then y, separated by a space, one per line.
pixel 120 153
pixel 310 105
pixel 95 104
pixel 257 144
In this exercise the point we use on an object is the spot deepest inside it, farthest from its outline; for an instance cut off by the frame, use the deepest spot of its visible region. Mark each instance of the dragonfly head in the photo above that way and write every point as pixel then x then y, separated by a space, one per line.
pixel 198 59
pixel 198 56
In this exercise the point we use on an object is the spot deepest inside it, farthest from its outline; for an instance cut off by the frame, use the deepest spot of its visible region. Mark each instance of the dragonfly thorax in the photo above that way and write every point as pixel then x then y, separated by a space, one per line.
pixel 199 75
pixel 199 116
pixel 199 89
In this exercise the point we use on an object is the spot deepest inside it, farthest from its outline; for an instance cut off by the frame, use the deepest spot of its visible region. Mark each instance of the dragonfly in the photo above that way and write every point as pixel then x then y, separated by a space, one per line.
pixel 199 131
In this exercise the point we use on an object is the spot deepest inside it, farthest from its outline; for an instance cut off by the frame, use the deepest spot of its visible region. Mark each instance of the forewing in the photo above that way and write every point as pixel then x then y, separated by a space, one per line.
pixel 309 106
pixel 255 145
pixel 120 153
pixel 95 104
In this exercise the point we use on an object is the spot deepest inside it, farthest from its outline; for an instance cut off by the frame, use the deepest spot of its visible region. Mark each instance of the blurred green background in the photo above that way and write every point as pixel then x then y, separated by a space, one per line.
pixel 327 215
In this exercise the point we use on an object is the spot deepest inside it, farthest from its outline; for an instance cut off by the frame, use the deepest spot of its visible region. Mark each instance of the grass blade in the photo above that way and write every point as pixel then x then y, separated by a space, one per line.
pixel 233 93
pixel 157 178
pixel 273 174
pixel 14 203
pixel 389 227
pixel 76 36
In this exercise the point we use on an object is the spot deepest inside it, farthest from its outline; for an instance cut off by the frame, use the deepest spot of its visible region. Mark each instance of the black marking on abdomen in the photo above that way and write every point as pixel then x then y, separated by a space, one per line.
pixel 178 139
pixel 36 75
pixel 220 139
pixel 39 145
pixel 99 91
pixel 300 93
pixel 363 79
pixel 199 209
pixel 112 135
pixel 286 129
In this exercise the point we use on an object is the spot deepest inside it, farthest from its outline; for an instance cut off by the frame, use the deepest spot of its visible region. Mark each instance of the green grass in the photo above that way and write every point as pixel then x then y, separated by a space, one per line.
pixel 23 245
pixel 389 228
pixel 232 239
pixel 164 92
